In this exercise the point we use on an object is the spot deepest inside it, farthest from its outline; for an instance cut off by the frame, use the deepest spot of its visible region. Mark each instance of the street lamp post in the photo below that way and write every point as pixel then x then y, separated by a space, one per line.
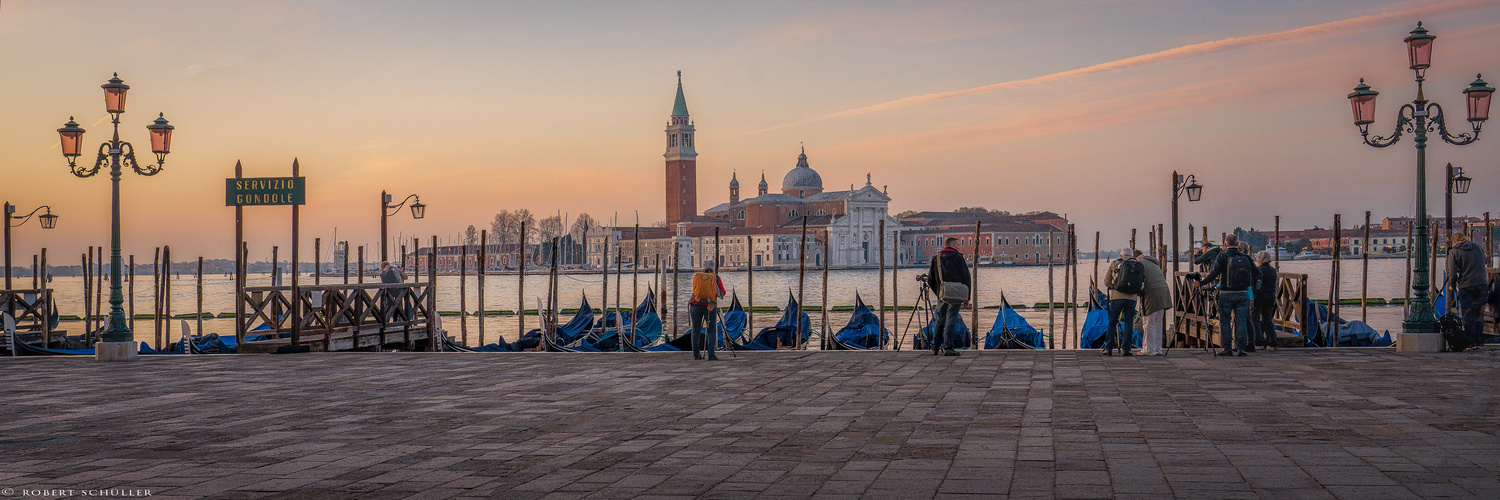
pixel 117 343
pixel 47 220
pixel 1420 117
pixel 1458 183
pixel 1194 192
pixel 418 210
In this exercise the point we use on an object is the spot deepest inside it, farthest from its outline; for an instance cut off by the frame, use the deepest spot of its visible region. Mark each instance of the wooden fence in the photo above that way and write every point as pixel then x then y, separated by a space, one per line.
pixel 1196 317
pixel 31 309
pixel 342 317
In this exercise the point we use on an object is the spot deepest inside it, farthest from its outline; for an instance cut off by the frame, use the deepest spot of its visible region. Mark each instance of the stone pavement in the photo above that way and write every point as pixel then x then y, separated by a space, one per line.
pixel 1306 423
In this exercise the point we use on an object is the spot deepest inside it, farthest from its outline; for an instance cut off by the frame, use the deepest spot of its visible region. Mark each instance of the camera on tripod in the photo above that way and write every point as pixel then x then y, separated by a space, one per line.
pixel 922 278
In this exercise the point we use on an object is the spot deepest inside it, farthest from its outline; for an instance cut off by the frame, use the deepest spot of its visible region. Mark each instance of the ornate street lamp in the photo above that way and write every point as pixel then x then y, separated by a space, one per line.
pixel 47 220
pixel 1420 117
pixel 1194 192
pixel 117 343
pixel 418 211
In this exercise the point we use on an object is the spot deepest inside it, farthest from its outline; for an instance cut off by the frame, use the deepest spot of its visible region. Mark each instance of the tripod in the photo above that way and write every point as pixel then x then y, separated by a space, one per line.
pixel 922 306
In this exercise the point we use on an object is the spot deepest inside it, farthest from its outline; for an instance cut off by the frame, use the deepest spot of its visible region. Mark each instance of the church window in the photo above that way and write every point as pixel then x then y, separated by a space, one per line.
pixel 742 215
pixel 820 212
pixel 792 214
pixel 672 141
pixel 687 140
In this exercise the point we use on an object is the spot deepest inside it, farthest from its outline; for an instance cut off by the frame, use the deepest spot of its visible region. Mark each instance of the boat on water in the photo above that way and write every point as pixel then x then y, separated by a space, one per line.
pixel 863 331
pixel 1308 255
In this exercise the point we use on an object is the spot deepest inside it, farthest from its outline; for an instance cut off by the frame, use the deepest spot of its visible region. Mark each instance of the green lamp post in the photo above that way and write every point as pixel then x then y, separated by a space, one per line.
pixel 117 343
pixel 1418 118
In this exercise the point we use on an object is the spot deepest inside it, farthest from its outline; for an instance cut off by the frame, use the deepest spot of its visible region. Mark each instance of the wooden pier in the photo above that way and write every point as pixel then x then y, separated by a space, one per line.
pixel 1195 321
pixel 340 317
pixel 31 309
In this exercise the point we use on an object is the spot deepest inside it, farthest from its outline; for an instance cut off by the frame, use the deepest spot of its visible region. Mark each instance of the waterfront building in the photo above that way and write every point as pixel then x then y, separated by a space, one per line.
pixel 1028 239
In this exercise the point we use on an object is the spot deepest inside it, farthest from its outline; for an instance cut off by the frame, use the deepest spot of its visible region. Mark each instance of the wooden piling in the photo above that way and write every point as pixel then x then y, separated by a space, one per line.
pixel 155 298
pixel 433 342
pixel 750 299
pixel 463 295
pixel 1364 276
pixel 826 340
pixel 200 300
pixel 1051 289
pixel 130 292
pixel 166 294
pixel 1489 244
pixel 99 289
pixel 1132 238
pixel 895 289
pixel 552 294
pixel 801 285
pixel 1191 241
pixel 1330 333
pixel 521 283
pixel 1073 254
pixel 361 264
pixel 619 272
pixel 826 244
pixel 604 278
pixel 974 294
pixel 317 261
pixel 481 268
pixel 296 295
pixel 1276 244
pixel 1406 302
pixel 635 286
pixel 240 264
pixel 676 284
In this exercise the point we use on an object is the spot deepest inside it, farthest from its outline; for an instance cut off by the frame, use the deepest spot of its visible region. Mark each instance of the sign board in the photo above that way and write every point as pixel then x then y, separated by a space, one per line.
pixel 260 191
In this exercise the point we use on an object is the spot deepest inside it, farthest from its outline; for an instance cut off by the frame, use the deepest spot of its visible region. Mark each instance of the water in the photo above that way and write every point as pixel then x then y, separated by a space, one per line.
pixel 1020 285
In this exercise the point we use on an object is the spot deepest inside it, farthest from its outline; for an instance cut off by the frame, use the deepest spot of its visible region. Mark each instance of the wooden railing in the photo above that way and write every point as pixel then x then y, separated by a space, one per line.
pixel 31 309
pixel 322 312
pixel 1196 311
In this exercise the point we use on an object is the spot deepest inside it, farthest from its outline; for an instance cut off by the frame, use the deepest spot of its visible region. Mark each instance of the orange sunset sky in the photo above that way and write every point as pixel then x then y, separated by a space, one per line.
pixel 1075 107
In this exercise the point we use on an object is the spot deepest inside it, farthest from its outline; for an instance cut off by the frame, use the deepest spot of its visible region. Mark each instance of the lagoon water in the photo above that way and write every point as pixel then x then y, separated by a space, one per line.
pixel 1019 285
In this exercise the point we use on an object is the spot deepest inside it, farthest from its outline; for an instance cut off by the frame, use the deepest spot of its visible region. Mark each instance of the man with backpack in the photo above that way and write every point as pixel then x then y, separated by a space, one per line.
pixel 1125 280
pixel 707 289
pixel 1236 274
pixel 949 278
pixel 1466 268
pixel 1207 256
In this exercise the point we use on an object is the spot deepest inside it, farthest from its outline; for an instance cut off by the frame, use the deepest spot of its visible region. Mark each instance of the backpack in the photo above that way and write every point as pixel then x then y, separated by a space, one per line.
pixel 1238 274
pixel 705 288
pixel 1130 278
pixel 1455 339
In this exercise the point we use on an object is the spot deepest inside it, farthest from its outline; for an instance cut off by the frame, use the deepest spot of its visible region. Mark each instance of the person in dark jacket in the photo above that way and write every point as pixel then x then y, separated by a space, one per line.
pixel 947 266
pixel 1234 297
pixel 1466 269
pixel 1207 256
pixel 1263 310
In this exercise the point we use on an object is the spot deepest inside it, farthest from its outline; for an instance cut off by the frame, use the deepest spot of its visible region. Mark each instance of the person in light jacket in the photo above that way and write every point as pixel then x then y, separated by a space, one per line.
pixel 1155 301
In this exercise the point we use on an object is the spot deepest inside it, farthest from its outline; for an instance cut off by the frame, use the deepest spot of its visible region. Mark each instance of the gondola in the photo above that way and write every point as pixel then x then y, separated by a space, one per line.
pixel 782 335
pixel 961 334
pixel 1011 331
pixel 863 332
pixel 731 325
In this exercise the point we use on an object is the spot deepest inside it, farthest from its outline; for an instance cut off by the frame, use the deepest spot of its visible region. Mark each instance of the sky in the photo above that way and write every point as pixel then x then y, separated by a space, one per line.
pixel 1076 107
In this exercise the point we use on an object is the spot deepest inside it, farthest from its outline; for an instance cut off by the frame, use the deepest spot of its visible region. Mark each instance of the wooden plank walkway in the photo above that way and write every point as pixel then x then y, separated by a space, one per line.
pixel 1297 423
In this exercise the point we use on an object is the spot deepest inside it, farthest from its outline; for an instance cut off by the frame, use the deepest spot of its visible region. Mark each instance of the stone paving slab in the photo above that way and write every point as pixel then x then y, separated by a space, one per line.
pixel 1298 423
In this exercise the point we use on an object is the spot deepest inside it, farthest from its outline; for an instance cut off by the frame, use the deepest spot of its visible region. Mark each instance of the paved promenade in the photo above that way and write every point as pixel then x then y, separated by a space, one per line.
pixel 1364 424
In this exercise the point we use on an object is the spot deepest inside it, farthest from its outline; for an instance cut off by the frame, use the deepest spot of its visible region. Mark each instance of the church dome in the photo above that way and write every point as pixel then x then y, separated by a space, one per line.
pixel 802 180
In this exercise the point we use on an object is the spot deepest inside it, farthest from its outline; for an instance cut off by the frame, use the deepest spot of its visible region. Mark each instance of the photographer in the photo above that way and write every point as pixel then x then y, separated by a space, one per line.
pixel 948 275
pixel 1125 280
pixel 1236 274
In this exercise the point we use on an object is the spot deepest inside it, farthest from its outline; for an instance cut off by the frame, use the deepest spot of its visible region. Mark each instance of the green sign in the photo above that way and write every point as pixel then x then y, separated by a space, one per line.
pixel 254 191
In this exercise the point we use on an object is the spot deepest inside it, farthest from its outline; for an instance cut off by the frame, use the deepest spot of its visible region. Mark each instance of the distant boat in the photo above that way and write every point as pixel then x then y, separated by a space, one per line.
pixel 1308 255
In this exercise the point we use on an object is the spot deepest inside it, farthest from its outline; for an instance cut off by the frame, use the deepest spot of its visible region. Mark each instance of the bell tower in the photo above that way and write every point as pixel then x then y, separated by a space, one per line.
pixel 682 162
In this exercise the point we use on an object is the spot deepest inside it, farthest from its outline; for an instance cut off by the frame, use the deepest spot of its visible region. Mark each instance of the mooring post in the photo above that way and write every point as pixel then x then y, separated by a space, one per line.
pixel 317 261
pixel 1067 303
pixel 166 294
pixel 826 339
pixel 239 265
pixel 463 295
pixel 1073 254
pixel 521 282
pixel 1364 277
pixel 200 302
pixel 155 297
pixel 432 312
pixel 881 339
pixel 1276 245
pixel 895 287
pixel 635 281
pixel 1051 290
pixel 296 298
pixel 481 268
pixel 130 289
pixel 974 294
pixel 801 282
pixel 1331 334
pixel 620 285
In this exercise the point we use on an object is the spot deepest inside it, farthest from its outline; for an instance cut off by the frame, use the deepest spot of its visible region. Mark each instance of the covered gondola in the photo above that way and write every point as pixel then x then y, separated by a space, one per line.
pixel 783 335
pixel 731 325
pixel 862 333
pixel 960 331
pixel 1011 331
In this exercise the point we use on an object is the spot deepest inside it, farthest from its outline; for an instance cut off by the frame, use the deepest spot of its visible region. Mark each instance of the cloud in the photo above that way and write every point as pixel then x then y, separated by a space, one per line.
pixel 1185 51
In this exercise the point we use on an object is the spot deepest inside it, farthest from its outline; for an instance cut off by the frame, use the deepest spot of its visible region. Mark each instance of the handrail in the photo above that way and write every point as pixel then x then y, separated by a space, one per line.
pixel 323 309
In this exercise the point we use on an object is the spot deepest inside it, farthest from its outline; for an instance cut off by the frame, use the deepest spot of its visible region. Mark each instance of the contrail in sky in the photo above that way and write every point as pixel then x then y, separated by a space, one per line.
pixel 1171 54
